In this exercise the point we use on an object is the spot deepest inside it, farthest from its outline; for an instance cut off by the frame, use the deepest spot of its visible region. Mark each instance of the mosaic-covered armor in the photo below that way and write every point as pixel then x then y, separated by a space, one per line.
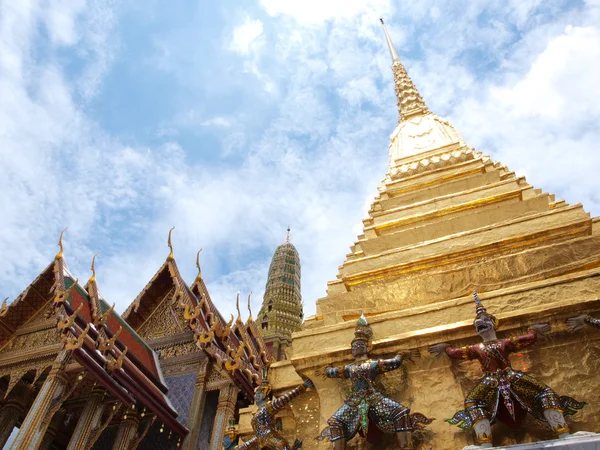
pixel 366 406
pixel 504 393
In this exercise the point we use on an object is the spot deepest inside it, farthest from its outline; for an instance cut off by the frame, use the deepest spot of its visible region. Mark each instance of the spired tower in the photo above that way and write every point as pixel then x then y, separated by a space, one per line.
pixel 281 313
pixel 448 220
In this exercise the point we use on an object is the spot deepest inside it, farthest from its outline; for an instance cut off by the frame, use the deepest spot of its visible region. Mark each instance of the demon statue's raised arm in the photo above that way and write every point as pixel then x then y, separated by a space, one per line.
pixel 579 322
pixel 504 393
pixel 263 422
pixel 366 406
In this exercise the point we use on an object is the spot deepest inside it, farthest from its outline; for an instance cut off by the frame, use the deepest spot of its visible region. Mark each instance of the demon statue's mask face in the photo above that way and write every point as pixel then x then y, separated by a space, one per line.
pixel 485 326
pixel 359 348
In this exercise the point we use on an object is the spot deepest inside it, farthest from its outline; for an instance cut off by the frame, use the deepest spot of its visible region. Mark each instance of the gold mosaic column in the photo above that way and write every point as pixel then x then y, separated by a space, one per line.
pixel 9 416
pixel 127 432
pixel 225 409
pixel 90 418
pixel 194 422
pixel 52 430
pixel 36 422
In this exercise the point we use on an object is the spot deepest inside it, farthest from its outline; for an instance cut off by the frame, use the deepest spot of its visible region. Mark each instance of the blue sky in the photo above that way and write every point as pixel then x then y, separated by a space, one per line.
pixel 232 120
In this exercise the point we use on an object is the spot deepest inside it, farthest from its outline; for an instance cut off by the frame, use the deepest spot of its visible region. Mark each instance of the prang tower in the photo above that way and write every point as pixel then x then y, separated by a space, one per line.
pixel 281 313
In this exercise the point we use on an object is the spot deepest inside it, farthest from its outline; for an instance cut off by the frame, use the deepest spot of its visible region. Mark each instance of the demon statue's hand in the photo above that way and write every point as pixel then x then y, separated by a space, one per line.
pixel 438 349
pixel 541 328
pixel 308 383
pixel 411 355
pixel 576 323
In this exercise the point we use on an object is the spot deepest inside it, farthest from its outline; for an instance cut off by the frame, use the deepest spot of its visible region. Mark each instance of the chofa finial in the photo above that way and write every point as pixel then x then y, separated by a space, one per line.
pixel 60 244
pixel 93 268
pixel 198 264
pixel 249 307
pixel 237 305
pixel 171 257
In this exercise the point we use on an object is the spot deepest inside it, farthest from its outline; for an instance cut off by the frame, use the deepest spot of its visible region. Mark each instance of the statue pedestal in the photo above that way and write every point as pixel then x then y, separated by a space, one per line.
pixel 582 440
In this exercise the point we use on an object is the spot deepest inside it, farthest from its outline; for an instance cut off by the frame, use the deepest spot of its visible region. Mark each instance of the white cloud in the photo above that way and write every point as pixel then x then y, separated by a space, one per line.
pixel 317 157
pixel 246 36
pixel 317 11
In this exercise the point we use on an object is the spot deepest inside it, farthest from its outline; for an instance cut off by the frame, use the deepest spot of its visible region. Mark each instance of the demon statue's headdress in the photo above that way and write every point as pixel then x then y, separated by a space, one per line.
pixel 363 331
pixel 480 310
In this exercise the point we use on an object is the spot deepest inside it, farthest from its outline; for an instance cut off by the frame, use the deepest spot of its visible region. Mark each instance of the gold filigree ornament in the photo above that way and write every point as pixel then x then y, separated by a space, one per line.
pixel 115 364
pixel 235 358
pixel 102 318
pixel 75 342
pixel 190 313
pixel 107 345
pixel 224 331
pixel 69 321
pixel 62 296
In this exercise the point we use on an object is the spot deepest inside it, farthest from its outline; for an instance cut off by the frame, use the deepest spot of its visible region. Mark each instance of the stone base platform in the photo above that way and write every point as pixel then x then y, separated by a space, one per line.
pixel 582 440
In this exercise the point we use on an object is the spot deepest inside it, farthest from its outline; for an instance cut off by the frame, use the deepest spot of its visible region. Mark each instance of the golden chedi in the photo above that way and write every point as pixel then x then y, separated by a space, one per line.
pixel 448 220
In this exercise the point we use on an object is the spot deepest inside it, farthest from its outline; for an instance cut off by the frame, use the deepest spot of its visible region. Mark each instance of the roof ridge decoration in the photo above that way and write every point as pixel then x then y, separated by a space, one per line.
pixel 250 309
pixel 410 101
pixel 92 289
pixel 199 276
pixel 59 266
pixel 171 257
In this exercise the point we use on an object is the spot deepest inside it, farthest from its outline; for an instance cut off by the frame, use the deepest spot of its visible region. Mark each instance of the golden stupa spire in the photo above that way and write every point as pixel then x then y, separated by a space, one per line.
pixel 410 102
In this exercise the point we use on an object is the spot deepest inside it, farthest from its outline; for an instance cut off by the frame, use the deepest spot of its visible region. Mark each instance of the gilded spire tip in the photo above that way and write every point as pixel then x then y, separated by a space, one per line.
pixel 60 244
pixel 410 101
pixel 171 257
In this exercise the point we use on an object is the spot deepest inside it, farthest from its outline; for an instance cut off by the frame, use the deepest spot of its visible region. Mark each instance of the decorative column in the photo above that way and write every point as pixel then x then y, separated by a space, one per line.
pixel 225 409
pixel 194 422
pixel 9 416
pixel 128 431
pixel 37 421
pixel 89 419
pixel 52 430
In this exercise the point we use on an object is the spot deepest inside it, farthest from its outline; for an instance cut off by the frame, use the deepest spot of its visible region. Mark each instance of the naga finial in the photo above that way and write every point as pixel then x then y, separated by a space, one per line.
pixel 59 255
pixel 198 264
pixel 249 307
pixel 237 305
pixel 93 269
pixel 171 257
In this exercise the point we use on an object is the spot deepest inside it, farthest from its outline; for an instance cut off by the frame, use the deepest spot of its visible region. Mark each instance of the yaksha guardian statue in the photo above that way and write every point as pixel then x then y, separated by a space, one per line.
pixel 367 407
pixel 263 422
pixel 504 393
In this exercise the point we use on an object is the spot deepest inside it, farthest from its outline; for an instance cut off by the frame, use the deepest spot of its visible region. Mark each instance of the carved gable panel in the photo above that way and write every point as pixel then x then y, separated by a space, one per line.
pixel 166 319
